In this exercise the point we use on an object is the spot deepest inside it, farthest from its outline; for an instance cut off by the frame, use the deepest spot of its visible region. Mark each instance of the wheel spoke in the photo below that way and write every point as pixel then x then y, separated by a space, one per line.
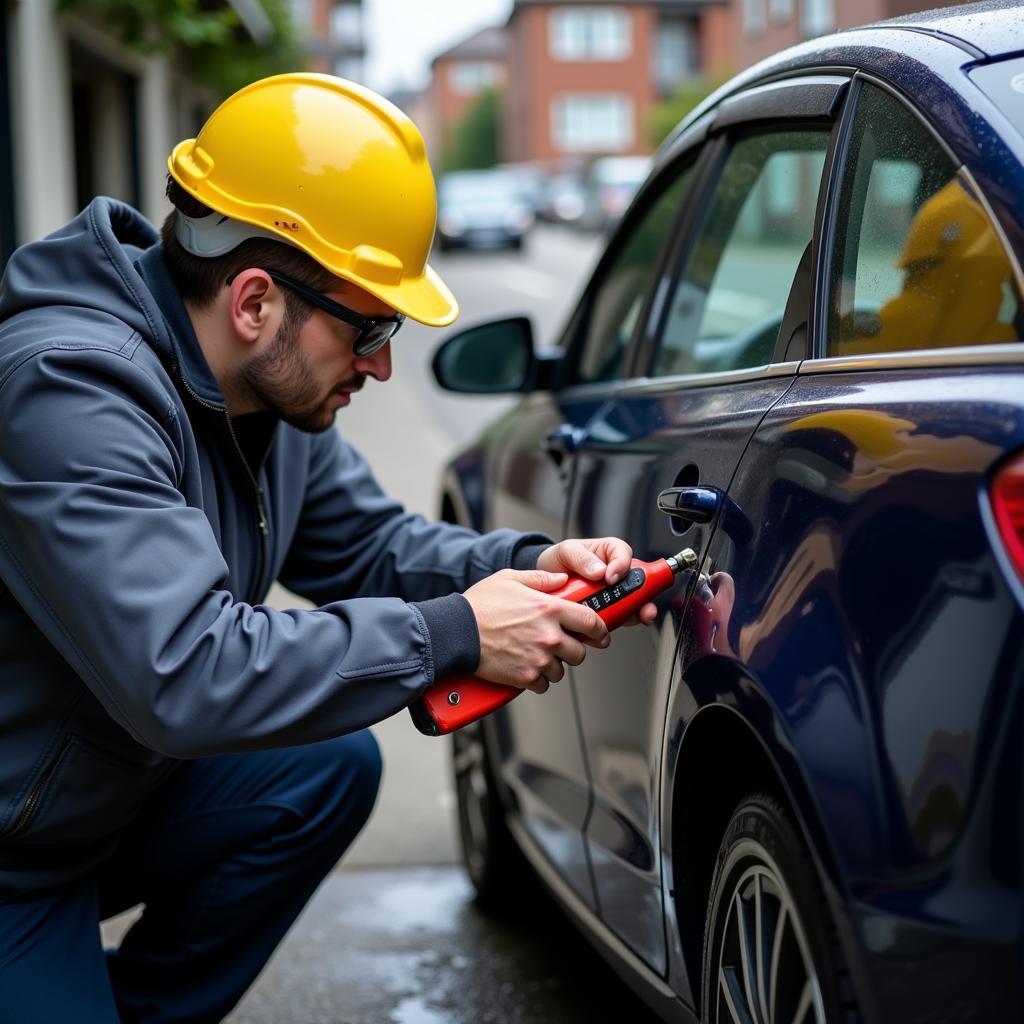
pixel 746 940
pixel 762 926
pixel 731 992
pixel 773 971
pixel 467 758
pixel 805 1004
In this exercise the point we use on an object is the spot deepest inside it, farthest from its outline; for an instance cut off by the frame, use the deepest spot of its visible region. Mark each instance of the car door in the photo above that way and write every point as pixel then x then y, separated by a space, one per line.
pixel 871 608
pixel 538 740
pixel 716 357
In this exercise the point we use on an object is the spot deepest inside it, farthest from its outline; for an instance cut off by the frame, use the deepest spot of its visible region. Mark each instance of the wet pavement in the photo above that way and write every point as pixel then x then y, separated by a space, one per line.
pixel 408 946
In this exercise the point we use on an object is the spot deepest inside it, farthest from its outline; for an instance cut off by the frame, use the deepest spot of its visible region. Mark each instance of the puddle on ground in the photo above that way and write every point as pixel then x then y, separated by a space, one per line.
pixel 415 1011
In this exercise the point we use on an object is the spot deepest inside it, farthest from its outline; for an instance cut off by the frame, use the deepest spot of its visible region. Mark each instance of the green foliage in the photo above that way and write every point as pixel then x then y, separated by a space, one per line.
pixel 474 141
pixel 666 115
pixel 211 44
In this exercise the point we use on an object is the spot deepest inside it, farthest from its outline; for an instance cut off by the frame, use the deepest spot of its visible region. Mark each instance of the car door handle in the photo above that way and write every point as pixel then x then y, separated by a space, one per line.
pixel 563 440
pixel 691 504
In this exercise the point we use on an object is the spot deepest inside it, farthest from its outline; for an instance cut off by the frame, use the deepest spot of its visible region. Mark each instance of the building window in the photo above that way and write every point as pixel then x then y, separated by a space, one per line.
pixel 753 17
pixel 594 33
pixel 470 76
pixel 676 55
pixel 819 17
pixel 780 10
pixel 594 123
pixel 349 66
pixel 347 24
pixel 302 15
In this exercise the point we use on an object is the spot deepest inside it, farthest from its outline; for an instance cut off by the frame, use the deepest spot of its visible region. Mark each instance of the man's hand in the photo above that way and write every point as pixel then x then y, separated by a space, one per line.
pixel 596 558
pixel 525 634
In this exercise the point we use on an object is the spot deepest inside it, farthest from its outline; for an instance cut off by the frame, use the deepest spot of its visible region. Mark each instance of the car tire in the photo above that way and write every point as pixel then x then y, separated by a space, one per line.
pixel 789 967
pixel 496 866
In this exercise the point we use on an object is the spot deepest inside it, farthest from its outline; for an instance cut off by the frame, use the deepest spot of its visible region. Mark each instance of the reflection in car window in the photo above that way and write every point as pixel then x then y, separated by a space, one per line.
pixel 918 264
pixel 729 303
pixel 615 304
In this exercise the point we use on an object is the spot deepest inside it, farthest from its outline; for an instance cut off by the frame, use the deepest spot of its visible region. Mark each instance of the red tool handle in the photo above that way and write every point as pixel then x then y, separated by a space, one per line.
pixel 458 700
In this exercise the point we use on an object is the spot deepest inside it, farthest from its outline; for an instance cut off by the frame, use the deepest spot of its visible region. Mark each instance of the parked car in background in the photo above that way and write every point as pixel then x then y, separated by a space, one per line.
pixel 563 198
pixel 797 796
pixel 609 184
pixel 482 209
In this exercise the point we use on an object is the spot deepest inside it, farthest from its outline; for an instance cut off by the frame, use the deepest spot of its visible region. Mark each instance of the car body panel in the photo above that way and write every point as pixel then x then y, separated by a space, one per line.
pixel 547 773
pixel 642 443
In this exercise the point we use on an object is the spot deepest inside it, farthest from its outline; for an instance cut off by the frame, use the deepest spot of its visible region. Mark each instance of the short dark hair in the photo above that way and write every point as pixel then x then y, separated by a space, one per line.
pixel 199 278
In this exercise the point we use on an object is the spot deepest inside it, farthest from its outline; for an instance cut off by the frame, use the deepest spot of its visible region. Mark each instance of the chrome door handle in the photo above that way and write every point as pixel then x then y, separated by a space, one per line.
pixel 690 504
pixel 563 440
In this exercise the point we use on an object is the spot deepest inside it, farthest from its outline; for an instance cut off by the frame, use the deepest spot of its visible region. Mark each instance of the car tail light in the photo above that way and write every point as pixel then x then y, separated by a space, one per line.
pixel 1007 495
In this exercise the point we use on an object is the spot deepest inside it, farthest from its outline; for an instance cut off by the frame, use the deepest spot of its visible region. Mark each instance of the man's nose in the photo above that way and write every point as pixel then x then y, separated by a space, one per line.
pixel 377 365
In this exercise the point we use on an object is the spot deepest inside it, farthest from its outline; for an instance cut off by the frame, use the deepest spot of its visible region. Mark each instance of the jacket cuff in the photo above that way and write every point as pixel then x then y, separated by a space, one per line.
pixel 527 551
pixel 454 637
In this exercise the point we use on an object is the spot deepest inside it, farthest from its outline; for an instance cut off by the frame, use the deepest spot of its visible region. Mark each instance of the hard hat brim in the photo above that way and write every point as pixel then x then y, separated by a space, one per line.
pixel 425 299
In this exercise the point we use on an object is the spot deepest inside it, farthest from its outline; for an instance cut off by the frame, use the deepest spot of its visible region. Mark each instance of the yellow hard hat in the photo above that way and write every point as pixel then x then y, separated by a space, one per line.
pixel 330 167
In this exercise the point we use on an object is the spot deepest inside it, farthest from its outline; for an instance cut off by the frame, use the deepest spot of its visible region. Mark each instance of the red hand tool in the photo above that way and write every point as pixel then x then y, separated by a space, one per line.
pixel 458 700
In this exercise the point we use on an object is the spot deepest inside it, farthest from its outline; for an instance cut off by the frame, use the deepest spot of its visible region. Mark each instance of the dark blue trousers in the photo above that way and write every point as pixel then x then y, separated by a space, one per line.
pixel 224 858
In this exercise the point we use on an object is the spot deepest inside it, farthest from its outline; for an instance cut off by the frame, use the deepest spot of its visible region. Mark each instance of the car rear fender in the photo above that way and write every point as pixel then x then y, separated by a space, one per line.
pixel 723 740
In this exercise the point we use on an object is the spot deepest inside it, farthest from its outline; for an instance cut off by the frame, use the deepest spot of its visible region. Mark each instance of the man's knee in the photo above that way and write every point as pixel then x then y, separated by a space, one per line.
pixel 361 754
pixel 348 770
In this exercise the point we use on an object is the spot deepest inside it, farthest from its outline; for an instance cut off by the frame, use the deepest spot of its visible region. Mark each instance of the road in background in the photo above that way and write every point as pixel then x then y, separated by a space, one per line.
pixel 407 429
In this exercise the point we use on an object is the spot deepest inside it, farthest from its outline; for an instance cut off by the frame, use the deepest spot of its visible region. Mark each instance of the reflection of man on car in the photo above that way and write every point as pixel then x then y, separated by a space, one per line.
pixel 955 272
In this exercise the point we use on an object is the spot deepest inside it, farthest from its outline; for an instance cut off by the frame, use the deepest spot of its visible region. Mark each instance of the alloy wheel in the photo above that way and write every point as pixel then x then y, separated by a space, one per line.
pixel 764 970
pixel 472 788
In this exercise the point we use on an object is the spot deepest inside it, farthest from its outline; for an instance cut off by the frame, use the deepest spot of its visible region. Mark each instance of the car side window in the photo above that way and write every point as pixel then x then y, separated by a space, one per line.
pixel 730 299
pixel 615 304
pixel 918 264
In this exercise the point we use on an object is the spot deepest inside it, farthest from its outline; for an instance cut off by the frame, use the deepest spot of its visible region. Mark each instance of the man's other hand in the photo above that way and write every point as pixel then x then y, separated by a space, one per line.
pixel 596 558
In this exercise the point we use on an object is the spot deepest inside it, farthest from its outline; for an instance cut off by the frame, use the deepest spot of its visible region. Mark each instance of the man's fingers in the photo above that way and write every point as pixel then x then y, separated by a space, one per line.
pixel 538 579
pixel 554 671
pixel 539 685
pixel 583 622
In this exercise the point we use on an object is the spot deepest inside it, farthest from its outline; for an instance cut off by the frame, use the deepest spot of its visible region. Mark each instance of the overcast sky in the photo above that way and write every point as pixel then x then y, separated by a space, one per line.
pixel 403 36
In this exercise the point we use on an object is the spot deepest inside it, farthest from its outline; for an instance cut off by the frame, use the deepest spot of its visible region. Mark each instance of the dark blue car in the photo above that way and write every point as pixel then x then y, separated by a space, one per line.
pixel 797 796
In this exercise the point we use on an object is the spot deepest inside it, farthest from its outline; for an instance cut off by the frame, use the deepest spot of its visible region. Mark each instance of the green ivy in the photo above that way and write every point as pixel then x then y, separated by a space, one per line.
pixel 211 44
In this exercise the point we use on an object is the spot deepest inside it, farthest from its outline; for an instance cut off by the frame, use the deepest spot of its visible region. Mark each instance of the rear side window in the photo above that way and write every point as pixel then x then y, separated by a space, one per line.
pixel 918 264
pixel 729 302
pixel 615 301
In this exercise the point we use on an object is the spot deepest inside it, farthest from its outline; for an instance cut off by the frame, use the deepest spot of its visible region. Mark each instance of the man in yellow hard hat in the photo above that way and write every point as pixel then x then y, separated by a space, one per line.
pixel 165 455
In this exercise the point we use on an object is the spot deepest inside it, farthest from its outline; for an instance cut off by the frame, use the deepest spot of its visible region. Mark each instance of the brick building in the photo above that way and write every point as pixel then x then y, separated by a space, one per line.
pixel 458 76
pixel 766 26
pixel 582 77
pixel 333 34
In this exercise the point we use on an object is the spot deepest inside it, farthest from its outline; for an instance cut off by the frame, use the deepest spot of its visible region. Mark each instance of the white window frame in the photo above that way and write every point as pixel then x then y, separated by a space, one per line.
pixel 780 11
pixel 754 20
pixel 347 23
pixel 590 34
pixel 817 17
pixel 576 122
pixel 469 77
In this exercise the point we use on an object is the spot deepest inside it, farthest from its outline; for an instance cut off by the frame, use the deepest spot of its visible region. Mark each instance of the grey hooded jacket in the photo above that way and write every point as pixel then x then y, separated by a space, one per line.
pixel 137 540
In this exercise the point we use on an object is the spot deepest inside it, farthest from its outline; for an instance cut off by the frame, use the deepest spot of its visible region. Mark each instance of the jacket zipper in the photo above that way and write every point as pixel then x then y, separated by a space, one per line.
pixel 37 791
pixel 261 519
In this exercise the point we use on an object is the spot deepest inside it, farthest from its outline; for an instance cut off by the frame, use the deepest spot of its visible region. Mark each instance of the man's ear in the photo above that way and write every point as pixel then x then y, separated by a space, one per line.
pixel 252 303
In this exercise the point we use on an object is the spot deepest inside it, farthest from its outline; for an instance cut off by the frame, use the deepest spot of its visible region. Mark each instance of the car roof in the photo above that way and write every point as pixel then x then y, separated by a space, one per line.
pixel 993 27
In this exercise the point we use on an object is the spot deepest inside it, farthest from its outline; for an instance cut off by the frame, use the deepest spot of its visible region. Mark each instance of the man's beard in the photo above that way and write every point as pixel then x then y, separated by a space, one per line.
pixel 282 381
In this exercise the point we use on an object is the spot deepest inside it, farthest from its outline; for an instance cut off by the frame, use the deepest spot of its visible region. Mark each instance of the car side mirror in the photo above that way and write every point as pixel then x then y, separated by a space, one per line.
pixel 490 359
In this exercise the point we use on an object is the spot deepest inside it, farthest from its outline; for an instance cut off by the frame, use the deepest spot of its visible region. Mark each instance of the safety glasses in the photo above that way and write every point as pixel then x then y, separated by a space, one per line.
pixel 374 331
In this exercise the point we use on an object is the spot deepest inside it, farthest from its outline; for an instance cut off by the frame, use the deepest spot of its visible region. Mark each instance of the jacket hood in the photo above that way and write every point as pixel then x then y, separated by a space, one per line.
pixel 89 263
